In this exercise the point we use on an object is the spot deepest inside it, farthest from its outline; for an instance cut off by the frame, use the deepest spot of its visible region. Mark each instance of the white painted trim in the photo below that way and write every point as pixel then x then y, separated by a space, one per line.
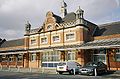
pixel 59 31
pixel 70 29
pixel 12 53
pixel 72 39
pixel 33 46
pixel 57 40
pixel 43 42
pixel 34 35
pixel 34 38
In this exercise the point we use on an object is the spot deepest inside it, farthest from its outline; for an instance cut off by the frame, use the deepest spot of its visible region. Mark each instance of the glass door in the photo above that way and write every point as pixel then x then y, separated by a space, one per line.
pixel 100 55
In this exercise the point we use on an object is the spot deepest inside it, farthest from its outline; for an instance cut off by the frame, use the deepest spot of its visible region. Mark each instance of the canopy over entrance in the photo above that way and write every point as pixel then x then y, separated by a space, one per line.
pixel 105 43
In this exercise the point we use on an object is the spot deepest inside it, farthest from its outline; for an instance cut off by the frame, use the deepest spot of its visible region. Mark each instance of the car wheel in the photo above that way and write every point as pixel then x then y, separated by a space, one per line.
pixel 71 72
pixel 60 72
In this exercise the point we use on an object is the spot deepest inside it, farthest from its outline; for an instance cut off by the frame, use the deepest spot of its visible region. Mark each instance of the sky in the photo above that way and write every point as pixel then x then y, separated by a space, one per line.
pixel 15 13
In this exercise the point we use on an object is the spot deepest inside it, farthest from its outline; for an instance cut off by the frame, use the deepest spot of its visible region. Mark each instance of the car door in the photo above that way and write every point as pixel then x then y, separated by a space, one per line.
pixel 99 67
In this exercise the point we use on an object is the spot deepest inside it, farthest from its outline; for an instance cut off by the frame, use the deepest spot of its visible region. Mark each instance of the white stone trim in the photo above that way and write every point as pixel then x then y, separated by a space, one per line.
pixel 34 35
pixel 70 39
pixel 59 31
pixel 41 41
pixel 57 40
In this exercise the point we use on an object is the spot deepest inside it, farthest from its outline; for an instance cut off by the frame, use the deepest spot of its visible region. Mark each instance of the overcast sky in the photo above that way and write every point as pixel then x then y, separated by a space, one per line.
pixel 15 13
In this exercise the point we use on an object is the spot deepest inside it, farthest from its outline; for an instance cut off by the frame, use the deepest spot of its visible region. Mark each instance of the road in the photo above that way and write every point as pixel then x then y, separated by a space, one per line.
pixel 16 75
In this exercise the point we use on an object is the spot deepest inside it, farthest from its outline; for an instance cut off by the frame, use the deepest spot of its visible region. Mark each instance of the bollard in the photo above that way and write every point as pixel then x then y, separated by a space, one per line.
pixel 74 70
pixel 1 67
pixel 30 69
pixel 9 68
pixel 42 69
pixel 18 69
pixel 95 72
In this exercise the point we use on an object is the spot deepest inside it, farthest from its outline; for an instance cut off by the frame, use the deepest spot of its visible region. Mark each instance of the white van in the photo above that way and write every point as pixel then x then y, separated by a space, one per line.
pixel 68 66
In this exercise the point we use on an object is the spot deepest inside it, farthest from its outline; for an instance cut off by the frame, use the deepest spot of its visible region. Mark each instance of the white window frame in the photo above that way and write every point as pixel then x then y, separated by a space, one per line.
pixel 70 38
pixel 20 58
pixel 33 38
pixel 51 54
pixel 32 43
pixel 117 53
pixel 71 57
pixel 11 58
pixel 32 58
pixel 44 42
pixel 56 40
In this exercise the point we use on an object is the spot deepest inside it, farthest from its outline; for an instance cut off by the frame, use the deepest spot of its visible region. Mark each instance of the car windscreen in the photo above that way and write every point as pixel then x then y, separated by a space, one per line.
pixel 61 64
pixel 91 64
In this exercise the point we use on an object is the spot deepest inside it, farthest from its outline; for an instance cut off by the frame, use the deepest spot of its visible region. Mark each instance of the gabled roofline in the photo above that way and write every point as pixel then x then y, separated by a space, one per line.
pixel 110 23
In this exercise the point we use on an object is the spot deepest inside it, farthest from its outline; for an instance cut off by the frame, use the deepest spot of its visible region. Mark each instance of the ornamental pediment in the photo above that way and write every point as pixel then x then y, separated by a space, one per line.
pixel 51 22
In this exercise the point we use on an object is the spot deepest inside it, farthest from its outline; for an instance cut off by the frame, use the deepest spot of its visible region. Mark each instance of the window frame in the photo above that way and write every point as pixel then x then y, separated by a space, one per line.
pixel 45 41
pixel 58 39
pixel 72 55
pixel 117 54
pixel 33 57
pixel 68 38
pixel 33 41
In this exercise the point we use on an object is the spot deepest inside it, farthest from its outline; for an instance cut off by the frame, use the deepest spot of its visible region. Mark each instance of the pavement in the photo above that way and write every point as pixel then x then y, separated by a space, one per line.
pixel 28 75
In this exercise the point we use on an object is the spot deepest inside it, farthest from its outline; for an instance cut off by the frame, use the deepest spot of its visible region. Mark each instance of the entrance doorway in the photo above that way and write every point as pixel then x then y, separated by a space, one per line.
pixel 100 55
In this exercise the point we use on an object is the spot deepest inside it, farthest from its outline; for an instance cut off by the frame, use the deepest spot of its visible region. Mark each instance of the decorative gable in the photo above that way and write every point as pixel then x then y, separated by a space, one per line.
pixel 50 21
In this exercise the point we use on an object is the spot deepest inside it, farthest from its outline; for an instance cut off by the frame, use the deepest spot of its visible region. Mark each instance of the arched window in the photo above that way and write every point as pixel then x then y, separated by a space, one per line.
pixel 49 27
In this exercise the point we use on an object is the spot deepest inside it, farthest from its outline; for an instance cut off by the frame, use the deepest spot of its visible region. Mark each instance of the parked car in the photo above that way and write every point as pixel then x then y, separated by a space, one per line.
pixel 89 68
pixel 68 66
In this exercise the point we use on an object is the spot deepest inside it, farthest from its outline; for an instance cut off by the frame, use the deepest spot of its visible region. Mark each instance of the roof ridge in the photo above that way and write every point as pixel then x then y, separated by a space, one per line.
pixel 15 39
pixel 116 22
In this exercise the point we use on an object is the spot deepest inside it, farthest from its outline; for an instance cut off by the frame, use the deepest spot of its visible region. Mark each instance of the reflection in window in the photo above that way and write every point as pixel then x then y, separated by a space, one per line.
pixel 56 39
pixel 70 36
pixel 4 58
pixel 50 59
pixel 33 41
pixel 33 57
pixel 44 40
pixel 50 56
pixel 117 54
pixel 11 58
pixel 20 58
pixel 71 55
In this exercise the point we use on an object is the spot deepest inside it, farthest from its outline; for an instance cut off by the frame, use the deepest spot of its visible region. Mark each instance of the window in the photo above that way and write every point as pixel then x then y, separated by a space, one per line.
pixel 56 39
pixel 19 58
pixel 50 59
pixel 49 27
pixel 4 58
pixel 43 40
pixel 50 56
pixel 71 55
pixel 11 58
pixel 70 36
pixel 33 41
pixel 33 57
pixel 0 58
pixel 100 55
pixel 117 54
pixel 49 64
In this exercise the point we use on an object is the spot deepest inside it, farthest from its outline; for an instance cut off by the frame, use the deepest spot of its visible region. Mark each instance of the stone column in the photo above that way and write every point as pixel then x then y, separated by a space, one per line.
pixel 26 60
